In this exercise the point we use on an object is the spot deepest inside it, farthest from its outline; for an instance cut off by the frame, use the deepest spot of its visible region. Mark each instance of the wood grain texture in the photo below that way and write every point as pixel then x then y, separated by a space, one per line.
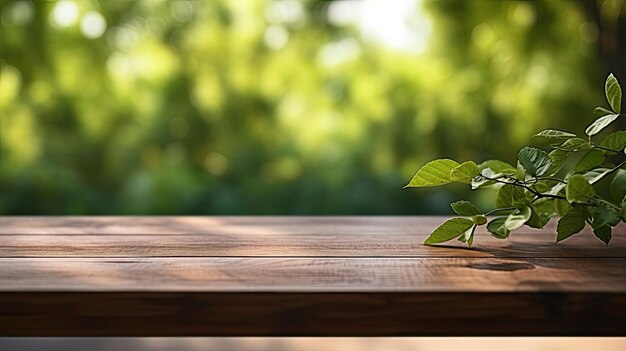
pixel 313 274
pixel 272 236
pixel 263 225
pixel 300 276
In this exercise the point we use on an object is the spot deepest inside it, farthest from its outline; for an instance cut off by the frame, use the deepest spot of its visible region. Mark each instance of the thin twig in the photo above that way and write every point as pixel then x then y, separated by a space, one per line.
pixel 552 178
pixel 499 209
pixel 607 149
pixel 534 192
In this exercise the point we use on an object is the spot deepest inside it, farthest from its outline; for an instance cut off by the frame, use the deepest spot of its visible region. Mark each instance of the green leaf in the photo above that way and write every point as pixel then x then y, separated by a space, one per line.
pixel 449 230
pixel 536 162
pixel 562 207
pixel 545 185
pixel 464 172
pixel 481 182
pixel 613 93
pixel 591 159
pixel 603 233
pixel 618 185
pixel 517 218
pixel 578 189
pixel 554 134
pixel 556 189
pixel 600 123
pixel 479 219
pixel 558 158
pixel 468 236
pixel 465 208
pixel 497 166
pixel 542 211
pixel 497 229
pixel 573 222
pixel 601 111
pixel 434 173
pixel 615 141
pixel 573 145
pixel 604 214
pixel 623 212
pixel 510 196
pixel 520 172
pixel 537 220
pixel 595 175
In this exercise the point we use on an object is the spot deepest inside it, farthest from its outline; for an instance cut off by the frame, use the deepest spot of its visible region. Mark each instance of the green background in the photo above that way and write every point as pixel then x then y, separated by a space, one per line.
pixel 259 107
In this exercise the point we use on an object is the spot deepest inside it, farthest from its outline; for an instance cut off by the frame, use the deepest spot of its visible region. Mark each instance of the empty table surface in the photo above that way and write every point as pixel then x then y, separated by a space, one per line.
pixel 301 276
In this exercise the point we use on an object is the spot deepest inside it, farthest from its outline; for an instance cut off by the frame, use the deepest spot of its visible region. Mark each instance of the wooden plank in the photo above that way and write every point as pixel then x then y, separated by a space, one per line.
pixel 311 314
pixel 314 274
pixel 260 225
pixel 172 225
pixel 300 276
pixel 341 237
pixel 303 245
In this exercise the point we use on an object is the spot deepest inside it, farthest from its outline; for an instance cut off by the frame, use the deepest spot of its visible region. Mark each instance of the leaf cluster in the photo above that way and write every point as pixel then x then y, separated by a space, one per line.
pixel 536 188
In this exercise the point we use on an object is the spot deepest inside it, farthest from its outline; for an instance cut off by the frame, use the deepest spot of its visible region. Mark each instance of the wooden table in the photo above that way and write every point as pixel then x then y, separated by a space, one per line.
pixel 300 276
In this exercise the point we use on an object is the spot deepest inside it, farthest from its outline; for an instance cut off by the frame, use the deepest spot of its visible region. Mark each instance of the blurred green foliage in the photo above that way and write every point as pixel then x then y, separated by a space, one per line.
pixel 288 107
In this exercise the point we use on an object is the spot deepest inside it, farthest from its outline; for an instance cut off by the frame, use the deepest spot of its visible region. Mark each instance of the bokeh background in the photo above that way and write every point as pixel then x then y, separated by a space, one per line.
pixel 284 107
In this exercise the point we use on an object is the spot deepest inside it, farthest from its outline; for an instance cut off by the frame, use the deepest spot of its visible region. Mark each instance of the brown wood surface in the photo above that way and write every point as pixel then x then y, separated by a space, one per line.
pixel 275 236
pixel 289 276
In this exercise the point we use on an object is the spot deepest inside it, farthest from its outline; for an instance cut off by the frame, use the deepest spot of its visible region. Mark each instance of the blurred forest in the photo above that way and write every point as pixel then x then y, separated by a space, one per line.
pixel 284 107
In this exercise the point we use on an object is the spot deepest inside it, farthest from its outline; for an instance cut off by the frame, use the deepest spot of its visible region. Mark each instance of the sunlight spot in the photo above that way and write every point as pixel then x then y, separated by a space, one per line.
pixel 125 37
pixel 611 10
pixel 119 64
pixel 93 25
pixel 589 32
pixel 64 14
pixel 286 12
pixel 150 61
pixel 341 13
pixel 538 77
pixel 17 13
pixel 482 35
pixel 181 11
pixel 207 93
pixel 10 84
pixel 216 163
pixel 335 53
pixel 402 26
pixel 524 14
pixel 276 37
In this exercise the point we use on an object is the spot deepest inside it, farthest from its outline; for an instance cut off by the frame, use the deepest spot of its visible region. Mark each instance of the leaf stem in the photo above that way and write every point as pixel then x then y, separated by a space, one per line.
pixel 522 185
pixel 616 167
pixel 499 210
pixel 608 149
pixel 552 178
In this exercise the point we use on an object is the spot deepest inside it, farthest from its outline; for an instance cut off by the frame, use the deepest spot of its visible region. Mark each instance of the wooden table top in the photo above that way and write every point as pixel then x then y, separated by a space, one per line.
pixel 301 276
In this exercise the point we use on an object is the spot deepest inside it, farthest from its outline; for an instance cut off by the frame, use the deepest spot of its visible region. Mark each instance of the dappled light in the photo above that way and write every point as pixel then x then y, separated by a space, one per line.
pixel 280 107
